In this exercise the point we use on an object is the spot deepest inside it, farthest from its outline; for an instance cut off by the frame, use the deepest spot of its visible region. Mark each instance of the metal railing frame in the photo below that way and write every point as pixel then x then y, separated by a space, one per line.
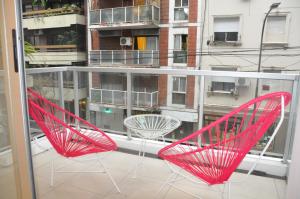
pixel 125 59
pixel 295 78
pixel 152 19
pixel 152 101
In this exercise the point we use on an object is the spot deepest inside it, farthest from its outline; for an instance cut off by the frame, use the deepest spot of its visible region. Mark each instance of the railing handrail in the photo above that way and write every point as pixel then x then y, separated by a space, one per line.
pixel 165 71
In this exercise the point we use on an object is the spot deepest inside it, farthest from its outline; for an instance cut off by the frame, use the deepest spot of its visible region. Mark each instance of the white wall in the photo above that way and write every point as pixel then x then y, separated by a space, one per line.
pixel 59 21
pixel 56 58
pixel 251 14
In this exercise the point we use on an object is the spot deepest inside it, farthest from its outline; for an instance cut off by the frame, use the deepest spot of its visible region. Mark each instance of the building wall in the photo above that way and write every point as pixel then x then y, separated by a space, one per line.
pixel 251 15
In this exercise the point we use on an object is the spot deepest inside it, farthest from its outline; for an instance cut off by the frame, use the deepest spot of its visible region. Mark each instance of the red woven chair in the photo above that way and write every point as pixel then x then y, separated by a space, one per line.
pixel 214 152
pixel 62 130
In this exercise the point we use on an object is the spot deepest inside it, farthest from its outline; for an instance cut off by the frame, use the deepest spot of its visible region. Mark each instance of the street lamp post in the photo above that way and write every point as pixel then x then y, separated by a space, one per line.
pixel 273 6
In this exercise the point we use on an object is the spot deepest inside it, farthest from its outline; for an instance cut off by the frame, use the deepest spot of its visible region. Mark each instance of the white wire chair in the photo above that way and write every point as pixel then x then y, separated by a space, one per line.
pixel 150 127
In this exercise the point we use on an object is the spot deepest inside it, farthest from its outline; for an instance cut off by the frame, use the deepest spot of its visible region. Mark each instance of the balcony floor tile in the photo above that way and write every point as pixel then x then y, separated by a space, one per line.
pixel 148 181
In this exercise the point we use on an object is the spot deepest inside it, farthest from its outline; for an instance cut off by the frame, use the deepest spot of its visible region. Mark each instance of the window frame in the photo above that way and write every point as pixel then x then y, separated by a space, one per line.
pixel 222 68
pixel 286 36
pixel 180 49
pixel 181 7
pixel 227 42
pixel 178 91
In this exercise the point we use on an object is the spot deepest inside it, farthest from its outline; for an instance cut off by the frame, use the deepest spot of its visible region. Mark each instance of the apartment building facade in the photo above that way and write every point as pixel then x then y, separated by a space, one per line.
pixel 231 39
pixel 147 34
pixel 57 32
pixel 187 34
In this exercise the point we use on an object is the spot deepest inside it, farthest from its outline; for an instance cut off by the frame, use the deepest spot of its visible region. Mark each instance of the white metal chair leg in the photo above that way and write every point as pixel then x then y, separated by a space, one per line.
pixel 52 174
pixel 229 190
pixel 109 175
pixel 169 179
pixel 141 157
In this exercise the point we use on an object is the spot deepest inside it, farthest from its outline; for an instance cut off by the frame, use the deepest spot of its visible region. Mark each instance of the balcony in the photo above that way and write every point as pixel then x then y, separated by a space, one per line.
pixel 118 98
pixel 154 171
pixel 53 18
pixel 56 55
pixel 150 178
pixel 117 58
pixel 146 16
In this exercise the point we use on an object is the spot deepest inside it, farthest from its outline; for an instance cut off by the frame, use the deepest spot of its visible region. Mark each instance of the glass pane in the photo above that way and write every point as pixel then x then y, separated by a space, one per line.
pixel 119 15
pixel 177 42
pixel 176 84
pixel 185 2
pixel 178 98
pixel 232 36
pixel 94 17
pixel 129 14
pixel 219 36
pixel 106 16
pixel 180 56
pixel 181 13
pixel 177 3
pixel 182 84
pixel 145 13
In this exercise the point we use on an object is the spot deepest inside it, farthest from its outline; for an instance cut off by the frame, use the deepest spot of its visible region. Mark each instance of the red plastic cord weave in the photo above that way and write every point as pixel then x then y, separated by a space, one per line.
pixel 215 151
pixel 62 129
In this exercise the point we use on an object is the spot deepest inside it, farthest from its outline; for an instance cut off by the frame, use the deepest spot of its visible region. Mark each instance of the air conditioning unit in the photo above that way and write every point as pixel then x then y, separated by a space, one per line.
pixel 242 82
pixel 125 41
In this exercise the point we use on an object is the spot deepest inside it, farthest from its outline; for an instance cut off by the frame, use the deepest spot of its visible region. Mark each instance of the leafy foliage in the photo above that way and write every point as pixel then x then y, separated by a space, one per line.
pixel 40 2
pixel 28 48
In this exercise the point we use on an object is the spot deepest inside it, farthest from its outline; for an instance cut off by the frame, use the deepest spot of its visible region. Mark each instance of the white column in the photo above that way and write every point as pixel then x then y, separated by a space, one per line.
pixel 294 171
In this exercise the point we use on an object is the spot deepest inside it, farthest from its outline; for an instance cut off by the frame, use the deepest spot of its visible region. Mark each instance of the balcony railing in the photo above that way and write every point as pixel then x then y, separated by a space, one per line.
pixel 147 14
pixel 208 108
pixel 124 57
pixel 117 97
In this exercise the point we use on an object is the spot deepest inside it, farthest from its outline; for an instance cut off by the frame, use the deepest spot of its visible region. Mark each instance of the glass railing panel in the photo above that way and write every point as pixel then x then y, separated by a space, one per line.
pixel 223 94
pixel 130 59
pixel 95 17
pixel 129 15
pixel 96 96
pixel 106 16
pixel 119 97
pixel 107 56
pixel 95 57
pixel 107 96
pixel 156 13
pixel 119 57
pixel 119 15
pixel 145 57
pixel 156 58
pixel 135 15
pixel 145 13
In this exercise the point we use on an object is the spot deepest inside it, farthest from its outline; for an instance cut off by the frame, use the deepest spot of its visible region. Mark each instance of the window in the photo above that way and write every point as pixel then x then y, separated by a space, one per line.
pixel 180 49
pixel 181 10
pixel 226 29
pixel 179 90
pixel 275 29
pixel 223 83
